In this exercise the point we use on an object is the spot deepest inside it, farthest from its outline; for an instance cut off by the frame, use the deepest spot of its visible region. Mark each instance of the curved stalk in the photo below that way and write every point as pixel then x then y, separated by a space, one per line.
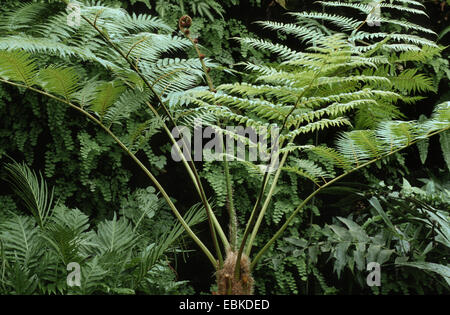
pixel 230 203
pixel 212 223
pixel 265 180
pixel 265 205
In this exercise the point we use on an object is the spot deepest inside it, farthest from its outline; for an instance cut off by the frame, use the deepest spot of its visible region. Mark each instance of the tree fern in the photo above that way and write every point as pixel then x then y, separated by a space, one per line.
pixel 333 85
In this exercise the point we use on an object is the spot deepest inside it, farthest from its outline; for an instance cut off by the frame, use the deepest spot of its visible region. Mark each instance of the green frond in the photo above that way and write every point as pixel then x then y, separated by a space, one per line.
pixel 149 46
pixel 444 139
pixel 330 154
pixel 348 145
pixel 366 9
pixel 65 234
pixel 72 219
pixel 115 236
pixel 88 92
pixel 345 23
pixel 307 169
pixel 20 280
pixel 284 94
pixel 411 2
pixel 19 236
pixel 290 147
pixel 261 108
pixel 92 275
pixel 356 78
pixel 301 32
pixel 106 94
pixel 46 45
pixel 21 17
pixel 409 81
pixel 143 23
pixel 396 134
pixel 403 8
pixel 368 116
pixel 317 125
pixel 153 252
pixel 18 66
pixel 283 51
pixel 440 269
pixel 174 74
pixel 441 112
pixel 128 102
pixel 427 52
pixel 62 81
pixel 334 109
pixel 407 25
pixel 32 189
pixel 367 141
pixel 359 146
pixel 405 38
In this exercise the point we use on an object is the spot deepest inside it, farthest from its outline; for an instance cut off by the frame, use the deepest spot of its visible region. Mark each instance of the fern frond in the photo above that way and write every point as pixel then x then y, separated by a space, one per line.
pixel 92 275
pixel 65 234
pixel 21 17
pixel 330 154
pixel 18 66
pixel 317 125
pixel 301 32
pixel 348 146
pixel 32 189
pixel 444 139
pixel 19 236
pixel 409 81
pixel 46 45
pixel 115 236
pixel 345 23
pixel 396 134
pixel 335 109
pixel 307 169
pixel 128 102
pixel 411 2
pixel 406 38
pixel 106 94
pixel 407 25
pixel 143 23
pixel 62 81
pixel 366 9
pixel 283 51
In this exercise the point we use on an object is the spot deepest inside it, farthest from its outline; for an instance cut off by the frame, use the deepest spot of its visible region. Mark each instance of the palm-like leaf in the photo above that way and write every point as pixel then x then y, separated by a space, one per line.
pixel 32 189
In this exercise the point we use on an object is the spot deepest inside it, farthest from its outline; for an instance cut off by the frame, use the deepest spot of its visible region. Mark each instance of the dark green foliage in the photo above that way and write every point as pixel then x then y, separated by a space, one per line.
pixel 117 256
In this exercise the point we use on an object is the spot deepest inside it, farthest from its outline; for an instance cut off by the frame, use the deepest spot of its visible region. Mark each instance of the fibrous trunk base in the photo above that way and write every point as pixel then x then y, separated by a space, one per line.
pixel 227 283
